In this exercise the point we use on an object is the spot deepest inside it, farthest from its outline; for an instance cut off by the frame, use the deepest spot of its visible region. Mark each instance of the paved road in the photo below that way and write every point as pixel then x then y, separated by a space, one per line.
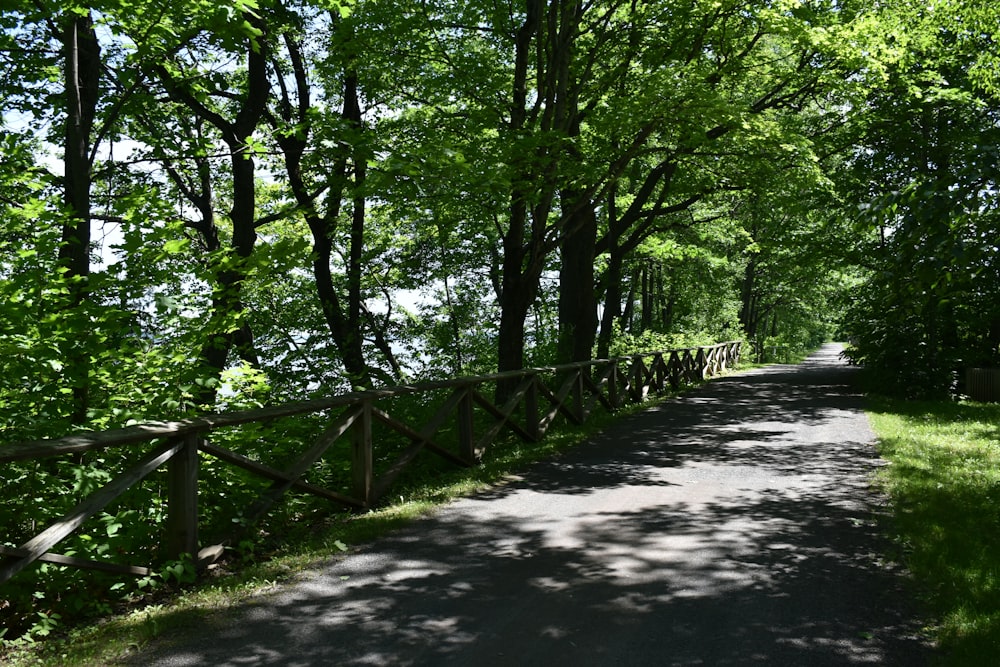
pixel 733 526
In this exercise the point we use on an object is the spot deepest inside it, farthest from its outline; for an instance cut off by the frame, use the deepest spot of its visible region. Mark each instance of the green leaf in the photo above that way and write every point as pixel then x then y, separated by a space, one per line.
pixel 175 246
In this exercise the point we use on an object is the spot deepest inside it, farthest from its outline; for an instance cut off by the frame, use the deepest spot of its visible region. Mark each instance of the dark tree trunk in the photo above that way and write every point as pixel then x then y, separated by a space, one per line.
pixel 668 308
pixel 227 302
pixel 82 72
pixel 513 313
pixel 548 35
pixel 628 313
pixel 646 299
pixel 577 298
pixel 344 321
pixel 661 299
pixel 612 285
pixel 518 288
pixel 612 304
pixel 748 307
pixel 354 351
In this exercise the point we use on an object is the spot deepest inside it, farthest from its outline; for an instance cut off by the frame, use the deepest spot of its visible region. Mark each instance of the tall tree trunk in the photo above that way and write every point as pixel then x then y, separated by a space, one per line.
pixel 547 35
pixel 577 298
pixel 668 308
pixel 518 288
pixel 227 302
pixel 612 285
pixel 612 304
pixel 345 321
pixel 352 114
pixel 628 312
pixel 646 299
pixel 748 314
pixel 660 302
pixel 82 72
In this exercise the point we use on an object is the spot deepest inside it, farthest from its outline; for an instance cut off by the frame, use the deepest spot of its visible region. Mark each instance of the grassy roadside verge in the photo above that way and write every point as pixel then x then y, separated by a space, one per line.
pixel 944 485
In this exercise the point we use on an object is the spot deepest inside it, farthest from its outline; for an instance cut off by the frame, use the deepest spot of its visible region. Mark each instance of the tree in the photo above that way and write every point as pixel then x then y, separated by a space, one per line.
pixel 236 116
pixel 752 96
pixel 340 176
pixel 928 169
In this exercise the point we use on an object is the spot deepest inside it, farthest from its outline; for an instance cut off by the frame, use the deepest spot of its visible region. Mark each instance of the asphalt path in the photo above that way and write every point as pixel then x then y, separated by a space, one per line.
pixel 733 526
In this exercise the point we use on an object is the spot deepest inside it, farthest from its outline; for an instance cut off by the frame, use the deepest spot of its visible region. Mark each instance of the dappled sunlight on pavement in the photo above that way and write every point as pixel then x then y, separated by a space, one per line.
pixel 734 526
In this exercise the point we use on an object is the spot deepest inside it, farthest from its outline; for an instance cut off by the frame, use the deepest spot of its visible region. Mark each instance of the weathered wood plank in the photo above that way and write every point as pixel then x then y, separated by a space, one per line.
pixel 466 428
pixel 388 478
pixel 420 441
pixel 661 373
pixel 181 525
pixel 443 413
pixel 503 416
pixel 154 430
pixel 151 431
pixel 675 366
pixel 44 541
pixel 293 473
pixel 362 460
pixel 613 393
pixel 597 392
pixel 638 386
pixel 558 402
pixel 675 370
pixel 81 563
pixel 419 438
pixel 531 410
pixel 274 474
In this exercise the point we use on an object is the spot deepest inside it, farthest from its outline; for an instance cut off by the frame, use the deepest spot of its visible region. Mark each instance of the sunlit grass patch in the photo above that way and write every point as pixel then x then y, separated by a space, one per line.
pixel 944 482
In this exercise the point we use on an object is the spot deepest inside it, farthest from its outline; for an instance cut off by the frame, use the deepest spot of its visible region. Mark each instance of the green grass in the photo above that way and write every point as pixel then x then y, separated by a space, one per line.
pixel 283 559
pixel 944 484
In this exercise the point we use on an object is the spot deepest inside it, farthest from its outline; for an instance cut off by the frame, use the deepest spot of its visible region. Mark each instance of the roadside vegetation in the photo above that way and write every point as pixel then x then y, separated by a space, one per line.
pixel 943 481
pixel 253 570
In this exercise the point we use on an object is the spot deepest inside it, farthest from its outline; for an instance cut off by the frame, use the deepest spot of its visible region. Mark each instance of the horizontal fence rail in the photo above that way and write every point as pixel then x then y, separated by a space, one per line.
pixel 537 397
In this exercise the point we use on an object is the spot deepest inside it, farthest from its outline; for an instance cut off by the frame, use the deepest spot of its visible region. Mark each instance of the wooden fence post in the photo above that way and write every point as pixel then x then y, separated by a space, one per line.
pixel 674 370
pixel 638 379
pixel 613 396
pixel 660 367
pixel 466 432
pixel 578 409
pixel 701 361
pixel 531 424
pixel 690 367
pixel 361 454
pixel 182 500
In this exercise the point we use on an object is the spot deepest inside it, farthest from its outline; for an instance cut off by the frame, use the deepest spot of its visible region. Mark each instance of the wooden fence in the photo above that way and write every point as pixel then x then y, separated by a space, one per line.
pixel 527 413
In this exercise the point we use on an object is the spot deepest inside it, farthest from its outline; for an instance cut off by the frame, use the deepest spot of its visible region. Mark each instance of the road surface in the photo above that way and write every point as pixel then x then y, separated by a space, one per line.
pixel 732 526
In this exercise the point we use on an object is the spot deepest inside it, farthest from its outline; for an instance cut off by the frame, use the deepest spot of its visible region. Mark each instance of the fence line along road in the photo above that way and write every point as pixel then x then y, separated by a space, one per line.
pixel 460 428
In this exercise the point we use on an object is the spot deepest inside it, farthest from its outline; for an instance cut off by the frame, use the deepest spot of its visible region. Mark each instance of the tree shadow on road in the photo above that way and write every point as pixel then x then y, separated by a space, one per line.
pixel 718 529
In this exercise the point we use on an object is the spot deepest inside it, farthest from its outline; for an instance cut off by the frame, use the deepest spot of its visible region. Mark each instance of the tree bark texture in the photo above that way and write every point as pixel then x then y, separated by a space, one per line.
pixel 82 74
